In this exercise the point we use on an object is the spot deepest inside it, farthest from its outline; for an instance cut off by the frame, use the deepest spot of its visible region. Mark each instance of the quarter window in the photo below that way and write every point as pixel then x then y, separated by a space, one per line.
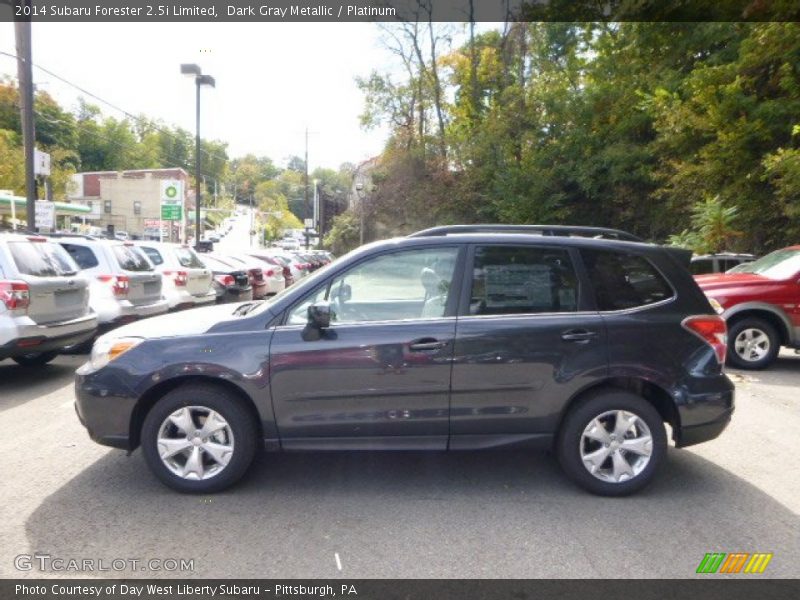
pixel 153 255
pixel 623 281
pixel 522 280
pixel 81 255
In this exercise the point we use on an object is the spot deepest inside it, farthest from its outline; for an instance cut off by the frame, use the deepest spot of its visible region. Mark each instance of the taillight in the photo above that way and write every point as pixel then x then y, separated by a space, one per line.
pixel 120 284
pixel 712 330
pixel 181 278
pixel 226 280
pixel 16 295
pixel 269 273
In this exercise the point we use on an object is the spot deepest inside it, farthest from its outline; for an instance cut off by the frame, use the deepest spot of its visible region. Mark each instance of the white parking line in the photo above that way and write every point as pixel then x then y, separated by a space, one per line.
pixel 338 561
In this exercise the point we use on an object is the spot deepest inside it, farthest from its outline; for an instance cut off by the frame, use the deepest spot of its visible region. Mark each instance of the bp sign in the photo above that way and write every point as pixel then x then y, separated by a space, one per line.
pixel 171 200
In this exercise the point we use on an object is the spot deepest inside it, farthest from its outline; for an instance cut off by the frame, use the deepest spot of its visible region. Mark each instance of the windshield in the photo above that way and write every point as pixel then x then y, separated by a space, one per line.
pixel 42 259
pixel 781 264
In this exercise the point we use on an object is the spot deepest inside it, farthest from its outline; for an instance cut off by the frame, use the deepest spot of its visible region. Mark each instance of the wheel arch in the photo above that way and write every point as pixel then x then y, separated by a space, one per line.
pixel 764 312
pixel 656 395
pixel 149 399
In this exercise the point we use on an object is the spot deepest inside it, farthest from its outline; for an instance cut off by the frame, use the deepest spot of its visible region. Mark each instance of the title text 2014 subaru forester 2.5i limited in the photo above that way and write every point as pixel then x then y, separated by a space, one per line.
pixel 452 338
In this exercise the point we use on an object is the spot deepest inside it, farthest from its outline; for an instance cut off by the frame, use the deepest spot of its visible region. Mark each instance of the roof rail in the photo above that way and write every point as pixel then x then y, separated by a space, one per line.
pixel 553 230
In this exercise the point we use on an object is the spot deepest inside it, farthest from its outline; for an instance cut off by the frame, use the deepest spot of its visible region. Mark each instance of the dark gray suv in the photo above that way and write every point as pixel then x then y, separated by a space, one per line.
pixel 452 338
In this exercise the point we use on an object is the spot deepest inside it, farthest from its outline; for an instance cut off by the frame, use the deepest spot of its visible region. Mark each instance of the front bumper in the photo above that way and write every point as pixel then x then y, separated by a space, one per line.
pixel 33 338
pixel 103 408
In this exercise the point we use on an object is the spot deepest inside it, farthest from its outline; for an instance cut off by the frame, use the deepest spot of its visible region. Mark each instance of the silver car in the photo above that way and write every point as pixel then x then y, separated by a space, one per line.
pixel 187 281
pixel 123 283
pixel 44 304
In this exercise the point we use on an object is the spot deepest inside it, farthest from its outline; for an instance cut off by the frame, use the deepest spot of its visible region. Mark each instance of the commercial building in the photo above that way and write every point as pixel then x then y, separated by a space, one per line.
pixel 130 201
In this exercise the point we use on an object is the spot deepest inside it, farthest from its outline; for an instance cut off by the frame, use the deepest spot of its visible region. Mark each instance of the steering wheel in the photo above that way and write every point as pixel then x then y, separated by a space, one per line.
pixel 345 312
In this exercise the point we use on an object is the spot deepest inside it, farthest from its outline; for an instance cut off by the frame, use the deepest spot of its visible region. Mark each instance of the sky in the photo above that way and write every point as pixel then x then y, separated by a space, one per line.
pixel 273 80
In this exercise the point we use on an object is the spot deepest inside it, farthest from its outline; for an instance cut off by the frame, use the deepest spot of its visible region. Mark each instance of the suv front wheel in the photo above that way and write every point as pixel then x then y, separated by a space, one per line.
pixel 199 439
pixel 612 443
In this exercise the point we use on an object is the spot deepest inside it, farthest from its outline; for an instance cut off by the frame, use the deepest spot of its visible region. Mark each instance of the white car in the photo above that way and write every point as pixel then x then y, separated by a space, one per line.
pixel 297 269
pixel 44 304
pixel 123 283
pixel 187 281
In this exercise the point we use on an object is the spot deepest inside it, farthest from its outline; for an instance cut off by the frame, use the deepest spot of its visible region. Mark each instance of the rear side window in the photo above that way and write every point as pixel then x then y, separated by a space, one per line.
pixel 81 255
pixel 188 259
pixel 131 259
pixel 153 254
pixel 41 259
pixel 522 280
pixel 702 266
pixel 623 281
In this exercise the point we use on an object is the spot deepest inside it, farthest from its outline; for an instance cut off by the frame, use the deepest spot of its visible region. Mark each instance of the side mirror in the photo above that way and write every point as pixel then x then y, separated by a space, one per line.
pixel 319 315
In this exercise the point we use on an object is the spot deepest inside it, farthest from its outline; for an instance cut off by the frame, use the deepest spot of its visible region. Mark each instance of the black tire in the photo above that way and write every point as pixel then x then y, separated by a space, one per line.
pixel 230 407
pixel 35 359
pixel 569 443
pixel 760 325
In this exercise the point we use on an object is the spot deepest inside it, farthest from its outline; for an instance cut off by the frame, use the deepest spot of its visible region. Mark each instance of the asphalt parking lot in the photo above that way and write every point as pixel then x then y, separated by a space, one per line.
pixel 491 514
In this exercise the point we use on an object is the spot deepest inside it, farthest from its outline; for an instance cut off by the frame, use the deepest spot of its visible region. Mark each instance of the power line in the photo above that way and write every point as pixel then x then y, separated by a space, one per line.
pixel 117 108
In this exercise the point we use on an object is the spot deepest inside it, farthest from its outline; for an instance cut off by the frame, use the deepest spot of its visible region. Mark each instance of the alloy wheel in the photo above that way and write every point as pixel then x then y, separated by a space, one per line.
pixel 751 344
pixel 195 443
pixel 616 446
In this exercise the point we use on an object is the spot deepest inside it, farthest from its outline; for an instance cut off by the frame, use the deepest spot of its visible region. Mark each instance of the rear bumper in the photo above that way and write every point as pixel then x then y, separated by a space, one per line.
pixel 31 338
pixel 705 414
pixel 696 434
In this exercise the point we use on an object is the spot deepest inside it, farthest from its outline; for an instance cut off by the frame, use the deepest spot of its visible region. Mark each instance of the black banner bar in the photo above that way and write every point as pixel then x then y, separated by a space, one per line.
pixel 153 11
pixel 711 588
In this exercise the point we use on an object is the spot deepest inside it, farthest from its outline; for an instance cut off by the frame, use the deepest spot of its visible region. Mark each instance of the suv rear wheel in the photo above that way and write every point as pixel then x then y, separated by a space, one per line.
pixel 752 344
pixel 199 439
pixel 612 443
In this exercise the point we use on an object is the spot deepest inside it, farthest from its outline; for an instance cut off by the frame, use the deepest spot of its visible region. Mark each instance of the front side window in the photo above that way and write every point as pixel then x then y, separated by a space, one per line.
pixel 509 280
pixel 413 284
pixel 623 281
pixel 131 259
pixel 41 259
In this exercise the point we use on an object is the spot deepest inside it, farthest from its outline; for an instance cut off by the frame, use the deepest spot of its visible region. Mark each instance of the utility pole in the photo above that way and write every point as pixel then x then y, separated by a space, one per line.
pixel 25 76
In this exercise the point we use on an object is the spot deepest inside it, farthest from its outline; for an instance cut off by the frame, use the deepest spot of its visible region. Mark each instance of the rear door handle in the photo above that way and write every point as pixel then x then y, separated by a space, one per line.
pixel 578 335
pixel 426 344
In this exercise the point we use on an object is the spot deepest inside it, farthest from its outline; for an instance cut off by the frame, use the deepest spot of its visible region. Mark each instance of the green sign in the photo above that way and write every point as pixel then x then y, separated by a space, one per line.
pixel 171 212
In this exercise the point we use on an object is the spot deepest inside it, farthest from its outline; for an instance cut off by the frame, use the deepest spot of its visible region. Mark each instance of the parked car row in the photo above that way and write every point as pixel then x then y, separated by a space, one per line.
pixel 59 292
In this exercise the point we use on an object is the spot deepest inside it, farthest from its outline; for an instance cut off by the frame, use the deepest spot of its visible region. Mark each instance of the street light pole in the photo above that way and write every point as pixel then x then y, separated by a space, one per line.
pixel 193 70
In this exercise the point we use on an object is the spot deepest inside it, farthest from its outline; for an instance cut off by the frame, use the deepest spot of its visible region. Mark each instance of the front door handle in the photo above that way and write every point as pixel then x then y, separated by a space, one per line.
pixel 581 336
pixel 426 344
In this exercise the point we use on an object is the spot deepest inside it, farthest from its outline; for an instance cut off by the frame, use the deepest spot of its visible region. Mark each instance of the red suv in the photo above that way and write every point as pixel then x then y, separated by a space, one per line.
pixel 760 301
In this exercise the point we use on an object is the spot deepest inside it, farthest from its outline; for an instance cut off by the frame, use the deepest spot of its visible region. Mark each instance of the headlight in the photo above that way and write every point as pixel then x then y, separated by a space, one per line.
pixel 104 351
pixel 716 306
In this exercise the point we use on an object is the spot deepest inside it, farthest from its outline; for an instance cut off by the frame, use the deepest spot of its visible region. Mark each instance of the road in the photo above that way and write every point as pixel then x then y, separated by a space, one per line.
pixel 490 514
pixel 238 240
